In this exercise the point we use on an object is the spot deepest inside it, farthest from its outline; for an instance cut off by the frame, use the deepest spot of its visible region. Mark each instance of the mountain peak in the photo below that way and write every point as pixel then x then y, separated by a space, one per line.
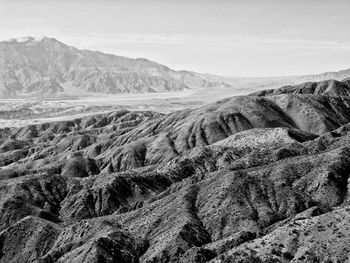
pixel 30 39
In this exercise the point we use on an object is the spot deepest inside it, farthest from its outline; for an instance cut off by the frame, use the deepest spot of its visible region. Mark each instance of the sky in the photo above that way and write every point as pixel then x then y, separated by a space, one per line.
pixel 224 37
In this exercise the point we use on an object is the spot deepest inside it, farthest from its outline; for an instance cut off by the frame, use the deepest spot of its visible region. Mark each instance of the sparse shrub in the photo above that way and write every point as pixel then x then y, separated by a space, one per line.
pixel 288 255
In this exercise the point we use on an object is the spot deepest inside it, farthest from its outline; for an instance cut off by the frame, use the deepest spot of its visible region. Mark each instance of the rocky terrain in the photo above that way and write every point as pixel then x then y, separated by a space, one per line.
pixel 46 67
pixel 258 178
pixel 326 87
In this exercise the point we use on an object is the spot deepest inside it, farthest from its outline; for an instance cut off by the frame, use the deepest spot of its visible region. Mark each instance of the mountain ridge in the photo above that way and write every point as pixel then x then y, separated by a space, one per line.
pixel 329 87
pixel 37 62
pixel 30 61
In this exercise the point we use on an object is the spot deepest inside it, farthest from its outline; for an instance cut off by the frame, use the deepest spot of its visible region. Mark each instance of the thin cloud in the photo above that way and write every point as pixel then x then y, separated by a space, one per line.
pixel 28 20
pixel 95 39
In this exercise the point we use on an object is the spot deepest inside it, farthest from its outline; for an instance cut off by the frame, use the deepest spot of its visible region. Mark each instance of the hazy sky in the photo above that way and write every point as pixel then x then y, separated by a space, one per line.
pixel 226 37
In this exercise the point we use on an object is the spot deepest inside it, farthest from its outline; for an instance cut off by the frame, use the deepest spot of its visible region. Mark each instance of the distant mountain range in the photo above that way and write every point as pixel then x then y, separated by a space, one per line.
pixel 276 82
pixel 46 67
pixel 49 68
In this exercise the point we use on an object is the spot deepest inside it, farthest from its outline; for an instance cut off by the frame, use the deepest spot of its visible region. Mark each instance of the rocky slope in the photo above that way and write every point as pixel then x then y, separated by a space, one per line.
pixel 326 87
pixel 245 179
pixel 47 67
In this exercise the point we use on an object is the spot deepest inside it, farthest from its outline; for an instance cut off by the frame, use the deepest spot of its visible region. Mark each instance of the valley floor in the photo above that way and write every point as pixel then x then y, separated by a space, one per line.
pixel 22 112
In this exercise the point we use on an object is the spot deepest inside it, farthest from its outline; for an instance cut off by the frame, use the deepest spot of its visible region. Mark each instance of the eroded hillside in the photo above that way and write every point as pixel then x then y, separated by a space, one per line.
pixel 245 179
